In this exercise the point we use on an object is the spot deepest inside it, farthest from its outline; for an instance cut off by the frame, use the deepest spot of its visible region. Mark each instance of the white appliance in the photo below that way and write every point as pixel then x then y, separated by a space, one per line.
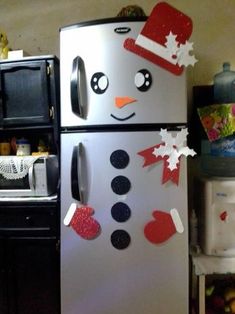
pixel 216 209
pixel 28 175
pixel 120 271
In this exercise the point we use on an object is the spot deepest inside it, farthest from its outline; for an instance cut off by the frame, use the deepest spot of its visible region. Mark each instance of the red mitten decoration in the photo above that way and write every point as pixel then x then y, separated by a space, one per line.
pixel 164 226
pixel 80 220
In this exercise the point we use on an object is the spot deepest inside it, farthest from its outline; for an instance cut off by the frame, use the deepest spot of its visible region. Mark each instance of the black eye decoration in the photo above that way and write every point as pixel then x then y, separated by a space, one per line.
pixel 143 80
pixel 99 82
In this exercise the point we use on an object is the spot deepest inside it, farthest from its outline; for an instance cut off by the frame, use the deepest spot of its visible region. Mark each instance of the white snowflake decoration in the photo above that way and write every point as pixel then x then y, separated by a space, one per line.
pixel 173 147
pixel 181 52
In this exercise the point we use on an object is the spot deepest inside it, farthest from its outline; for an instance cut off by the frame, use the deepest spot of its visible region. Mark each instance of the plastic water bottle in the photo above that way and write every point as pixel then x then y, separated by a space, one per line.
pixel 224 85
pixel 218 158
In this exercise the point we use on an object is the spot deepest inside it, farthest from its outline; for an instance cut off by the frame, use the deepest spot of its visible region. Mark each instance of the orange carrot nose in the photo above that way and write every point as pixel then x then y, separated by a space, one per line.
pixel 122 101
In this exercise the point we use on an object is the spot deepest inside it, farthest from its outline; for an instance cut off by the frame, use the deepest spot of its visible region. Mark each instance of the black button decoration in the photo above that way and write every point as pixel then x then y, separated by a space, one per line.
pixel 120 239
pixel 120 212
pixel 119 159
pixel 120 185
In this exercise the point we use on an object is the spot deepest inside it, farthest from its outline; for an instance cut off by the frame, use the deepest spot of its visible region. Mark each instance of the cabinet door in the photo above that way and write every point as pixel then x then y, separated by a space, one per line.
pixel 34 276
pixel 3 279
pixel 24 93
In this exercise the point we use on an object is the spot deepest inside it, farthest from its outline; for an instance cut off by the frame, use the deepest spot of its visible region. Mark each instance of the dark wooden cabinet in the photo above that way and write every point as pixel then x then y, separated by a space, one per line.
pixel 32 276
pixel 26 91
pixel 29 258
pixel 29 101
pixel 29 228
pixel 3 279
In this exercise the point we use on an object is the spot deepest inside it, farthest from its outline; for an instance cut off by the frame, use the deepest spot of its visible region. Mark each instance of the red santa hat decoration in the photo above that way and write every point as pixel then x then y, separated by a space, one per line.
pixel 164 39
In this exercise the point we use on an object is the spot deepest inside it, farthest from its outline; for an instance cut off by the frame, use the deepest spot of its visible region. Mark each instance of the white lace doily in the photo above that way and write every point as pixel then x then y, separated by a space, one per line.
pixel 15 167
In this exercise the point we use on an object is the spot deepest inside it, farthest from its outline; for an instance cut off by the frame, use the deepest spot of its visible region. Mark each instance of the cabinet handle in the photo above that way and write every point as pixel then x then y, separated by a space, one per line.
pixel 52 113
pixel 28 220
pixel 78 89
pixel 57 246
pixel 77 180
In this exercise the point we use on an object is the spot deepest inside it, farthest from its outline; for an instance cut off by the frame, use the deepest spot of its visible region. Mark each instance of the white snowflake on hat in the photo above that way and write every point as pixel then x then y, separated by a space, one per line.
pixel 164 39
pixel 180 52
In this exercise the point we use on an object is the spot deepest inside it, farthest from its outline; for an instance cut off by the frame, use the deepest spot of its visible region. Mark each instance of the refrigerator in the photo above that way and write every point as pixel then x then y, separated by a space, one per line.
pixel 118 253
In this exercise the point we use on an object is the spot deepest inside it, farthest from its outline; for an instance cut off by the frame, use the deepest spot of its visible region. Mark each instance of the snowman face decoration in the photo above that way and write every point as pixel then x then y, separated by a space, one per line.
pixel 142 81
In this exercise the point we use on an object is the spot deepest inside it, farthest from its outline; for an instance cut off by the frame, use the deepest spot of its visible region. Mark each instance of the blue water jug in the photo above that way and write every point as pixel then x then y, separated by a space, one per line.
pixel 224 85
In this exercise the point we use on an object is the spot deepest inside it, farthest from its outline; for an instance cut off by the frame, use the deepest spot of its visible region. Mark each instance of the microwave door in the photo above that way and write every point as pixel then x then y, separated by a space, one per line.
pixel 18 187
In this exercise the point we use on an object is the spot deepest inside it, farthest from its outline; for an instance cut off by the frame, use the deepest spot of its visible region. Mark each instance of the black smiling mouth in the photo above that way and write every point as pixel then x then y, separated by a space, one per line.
pixel 123 119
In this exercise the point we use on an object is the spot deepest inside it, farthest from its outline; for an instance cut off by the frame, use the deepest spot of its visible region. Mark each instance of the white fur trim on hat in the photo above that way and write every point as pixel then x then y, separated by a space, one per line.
pixel 155 48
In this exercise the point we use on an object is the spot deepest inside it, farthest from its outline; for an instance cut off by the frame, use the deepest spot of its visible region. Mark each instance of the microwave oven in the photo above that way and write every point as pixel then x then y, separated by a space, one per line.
pixel 28 176
pixel 216 215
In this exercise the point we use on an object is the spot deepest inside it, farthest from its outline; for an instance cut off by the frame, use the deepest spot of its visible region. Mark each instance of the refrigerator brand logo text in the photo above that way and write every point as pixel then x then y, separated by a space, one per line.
pixel 122 30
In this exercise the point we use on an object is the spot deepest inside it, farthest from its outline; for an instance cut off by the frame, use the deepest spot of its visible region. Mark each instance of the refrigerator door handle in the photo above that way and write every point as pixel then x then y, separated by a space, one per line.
pixel 77 187
pixel 78 87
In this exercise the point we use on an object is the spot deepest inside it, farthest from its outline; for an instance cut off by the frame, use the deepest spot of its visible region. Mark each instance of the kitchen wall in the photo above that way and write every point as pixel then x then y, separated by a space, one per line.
pixel 34 27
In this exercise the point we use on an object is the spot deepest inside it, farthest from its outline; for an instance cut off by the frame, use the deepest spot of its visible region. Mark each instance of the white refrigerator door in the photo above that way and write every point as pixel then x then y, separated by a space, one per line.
pixel 120 271
pixel 96 70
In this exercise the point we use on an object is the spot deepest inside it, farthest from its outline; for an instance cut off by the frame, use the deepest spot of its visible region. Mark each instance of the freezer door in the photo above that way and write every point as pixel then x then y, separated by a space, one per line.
pixel 102 83
pixel 118 269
